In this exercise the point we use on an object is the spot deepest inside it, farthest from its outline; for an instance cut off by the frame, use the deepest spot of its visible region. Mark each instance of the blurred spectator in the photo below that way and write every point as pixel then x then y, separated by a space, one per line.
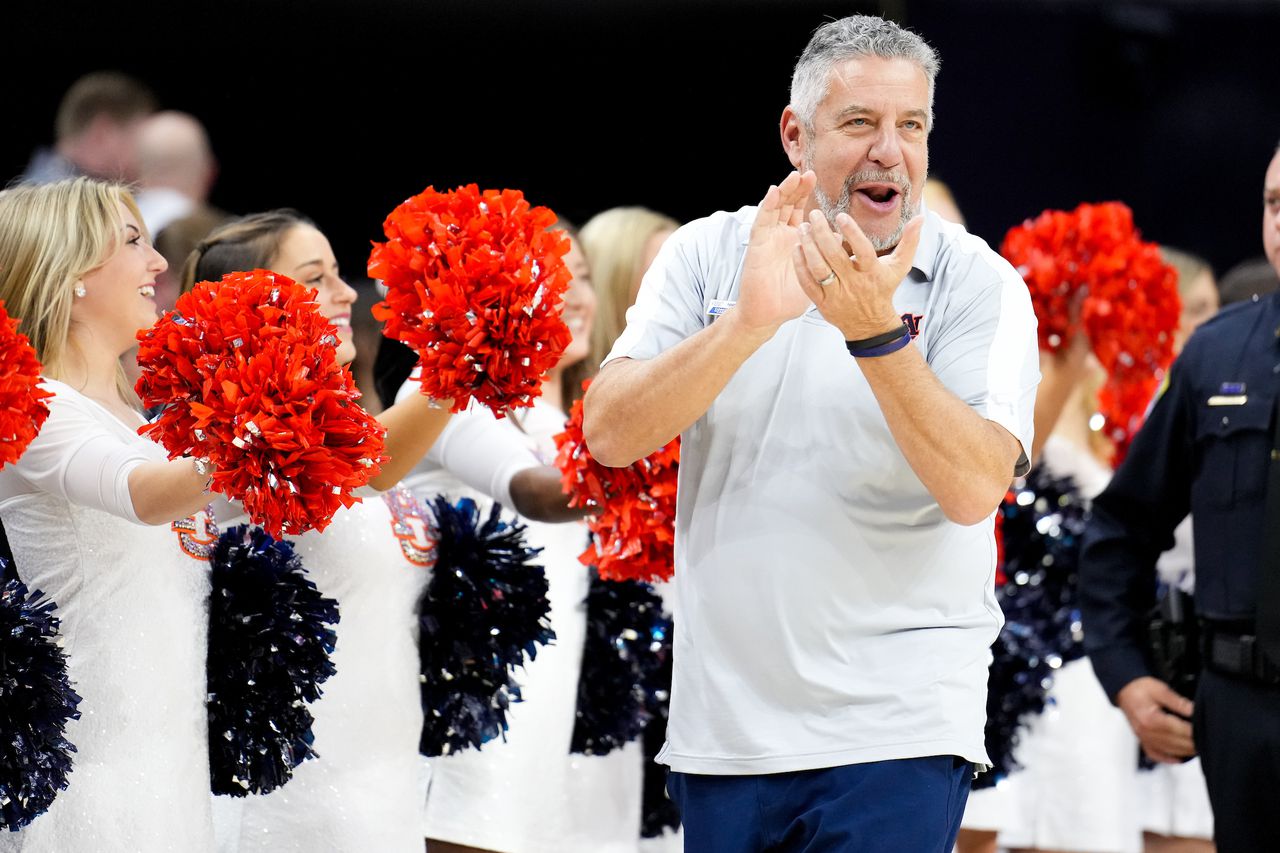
pixel 620 243
pixel 95 131
pixel 176 171
pixel 176 168
pixel 1247 279
pixel 938 198
pixel 1196 289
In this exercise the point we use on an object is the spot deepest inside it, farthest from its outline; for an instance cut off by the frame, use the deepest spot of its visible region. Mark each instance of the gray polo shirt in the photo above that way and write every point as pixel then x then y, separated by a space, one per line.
pixel 829 613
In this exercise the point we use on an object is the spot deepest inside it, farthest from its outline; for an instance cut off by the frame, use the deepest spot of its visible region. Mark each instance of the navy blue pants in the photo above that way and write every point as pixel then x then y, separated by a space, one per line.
pixel 909 805
pixel 1237 732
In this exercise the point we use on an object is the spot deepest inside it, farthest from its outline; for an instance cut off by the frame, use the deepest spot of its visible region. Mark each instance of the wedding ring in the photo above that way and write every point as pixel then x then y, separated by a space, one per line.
pixel 828 280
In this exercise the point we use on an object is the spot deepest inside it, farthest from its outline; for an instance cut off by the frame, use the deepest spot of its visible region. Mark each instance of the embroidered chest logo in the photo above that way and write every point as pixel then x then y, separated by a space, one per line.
pixel 913 323
pixel 412 526
pixel 197 534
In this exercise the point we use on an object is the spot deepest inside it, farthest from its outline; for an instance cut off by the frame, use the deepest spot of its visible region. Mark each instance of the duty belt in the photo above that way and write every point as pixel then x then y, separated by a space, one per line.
pixel 1231 652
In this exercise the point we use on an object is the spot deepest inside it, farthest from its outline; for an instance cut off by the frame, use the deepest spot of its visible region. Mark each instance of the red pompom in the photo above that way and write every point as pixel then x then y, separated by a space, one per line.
pixel 1001 577
pixel 635 527
pixel 247 370
pixel 22 402
pixel 1092 264
pixel 474 285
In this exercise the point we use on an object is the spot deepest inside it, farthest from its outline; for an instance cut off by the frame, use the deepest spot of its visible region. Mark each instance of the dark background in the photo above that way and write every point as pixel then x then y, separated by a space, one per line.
pixel 344 107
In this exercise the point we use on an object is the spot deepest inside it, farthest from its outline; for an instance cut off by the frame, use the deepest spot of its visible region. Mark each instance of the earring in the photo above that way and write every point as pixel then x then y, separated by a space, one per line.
pixel 79 290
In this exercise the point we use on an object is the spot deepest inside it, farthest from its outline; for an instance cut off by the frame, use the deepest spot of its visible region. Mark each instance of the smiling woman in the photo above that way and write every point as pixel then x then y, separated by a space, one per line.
pixel 108 296
pixel 305 255
pixel 530 792
pixel 87 510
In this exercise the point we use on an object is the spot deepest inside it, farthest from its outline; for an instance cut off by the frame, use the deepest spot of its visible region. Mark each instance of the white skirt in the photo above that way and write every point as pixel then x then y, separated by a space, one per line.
pixel 1078 789
pixel 987 810
pixel 669 842
pixel 1175 801
pixel 529 794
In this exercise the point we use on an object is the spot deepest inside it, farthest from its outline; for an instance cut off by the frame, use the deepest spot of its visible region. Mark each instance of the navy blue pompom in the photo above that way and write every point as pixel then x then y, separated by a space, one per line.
pixel 36 701
pixel 658 812
pixel 1042 522
pixel 483 612
pixel 270 641
pixel 628 640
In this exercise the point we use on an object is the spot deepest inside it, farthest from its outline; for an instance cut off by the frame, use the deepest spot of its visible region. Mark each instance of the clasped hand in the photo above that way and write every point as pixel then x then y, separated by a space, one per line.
pixel 793 261
pixel 1158 716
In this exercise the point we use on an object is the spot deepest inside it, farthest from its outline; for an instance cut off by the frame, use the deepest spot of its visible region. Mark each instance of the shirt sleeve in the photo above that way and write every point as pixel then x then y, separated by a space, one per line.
pixel 77 458
pixel 482 452
pixel 669 306
pixel 1132 523
pixel 985 352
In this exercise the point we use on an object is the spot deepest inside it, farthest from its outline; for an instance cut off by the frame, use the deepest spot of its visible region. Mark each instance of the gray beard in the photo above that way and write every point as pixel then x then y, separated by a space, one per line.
pixel 830 208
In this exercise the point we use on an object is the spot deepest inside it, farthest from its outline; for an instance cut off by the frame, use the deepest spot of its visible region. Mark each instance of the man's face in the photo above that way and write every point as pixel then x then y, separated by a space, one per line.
pixel 1271 213
pixel 108 149
pixel 869 145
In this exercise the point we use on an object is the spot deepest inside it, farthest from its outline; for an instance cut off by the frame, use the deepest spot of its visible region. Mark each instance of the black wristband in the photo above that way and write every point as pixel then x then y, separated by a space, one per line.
pixel 878 340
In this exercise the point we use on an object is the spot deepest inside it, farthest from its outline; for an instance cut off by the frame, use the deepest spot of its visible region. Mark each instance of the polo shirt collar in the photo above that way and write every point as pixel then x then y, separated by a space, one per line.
pixel 926 257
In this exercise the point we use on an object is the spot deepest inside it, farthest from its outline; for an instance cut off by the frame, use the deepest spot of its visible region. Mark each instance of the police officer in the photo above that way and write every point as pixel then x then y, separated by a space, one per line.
pixel 1209 448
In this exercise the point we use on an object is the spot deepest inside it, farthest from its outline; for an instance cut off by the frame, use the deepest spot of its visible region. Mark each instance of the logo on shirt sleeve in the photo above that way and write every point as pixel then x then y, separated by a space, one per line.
pixel 717 307
pixel 413 527
pixel 913 323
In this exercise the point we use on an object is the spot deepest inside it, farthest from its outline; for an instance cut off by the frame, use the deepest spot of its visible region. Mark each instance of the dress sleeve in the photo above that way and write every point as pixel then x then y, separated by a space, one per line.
pixel 478 449
pixel 79 458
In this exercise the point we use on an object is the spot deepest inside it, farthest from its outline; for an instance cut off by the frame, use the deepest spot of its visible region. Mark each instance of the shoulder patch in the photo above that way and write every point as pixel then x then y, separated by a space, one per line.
pixel 197 534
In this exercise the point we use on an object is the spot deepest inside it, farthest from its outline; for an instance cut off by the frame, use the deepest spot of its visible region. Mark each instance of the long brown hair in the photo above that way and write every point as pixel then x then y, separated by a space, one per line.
pixel 572 377
pixel 243 244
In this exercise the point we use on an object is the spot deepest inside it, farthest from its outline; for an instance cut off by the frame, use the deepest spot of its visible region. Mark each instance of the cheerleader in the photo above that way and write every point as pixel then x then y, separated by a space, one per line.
pixel 364 790
pixel 620 244
pixel 528 793
pixel 1080 788
pixel 1077 790
pixel 110 529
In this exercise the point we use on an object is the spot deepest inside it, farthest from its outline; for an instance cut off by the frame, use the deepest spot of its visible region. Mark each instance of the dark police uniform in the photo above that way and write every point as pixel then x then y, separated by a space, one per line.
pixel 1205 448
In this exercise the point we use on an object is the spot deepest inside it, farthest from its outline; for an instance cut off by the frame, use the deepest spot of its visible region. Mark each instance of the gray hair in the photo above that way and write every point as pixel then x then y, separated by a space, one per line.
pixel 854 37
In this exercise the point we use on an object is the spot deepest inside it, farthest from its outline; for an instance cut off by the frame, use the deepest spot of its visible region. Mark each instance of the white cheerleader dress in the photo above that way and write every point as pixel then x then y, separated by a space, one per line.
pixel 529 794
pixel 363 792
pixel 1078 787
pixel 133 600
